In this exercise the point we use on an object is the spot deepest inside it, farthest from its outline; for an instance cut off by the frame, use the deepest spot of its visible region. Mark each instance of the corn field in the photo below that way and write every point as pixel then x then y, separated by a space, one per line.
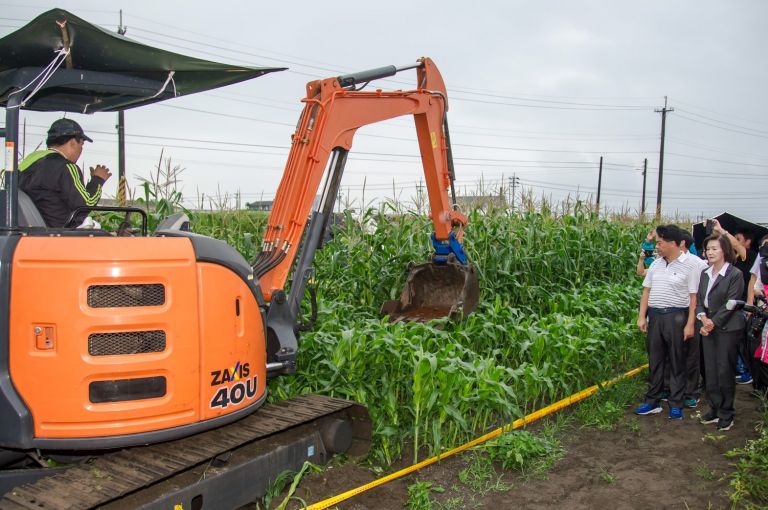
pixel 558 300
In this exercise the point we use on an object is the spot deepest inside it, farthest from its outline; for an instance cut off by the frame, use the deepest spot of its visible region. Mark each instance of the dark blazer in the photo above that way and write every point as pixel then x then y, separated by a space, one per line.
pixel 730 286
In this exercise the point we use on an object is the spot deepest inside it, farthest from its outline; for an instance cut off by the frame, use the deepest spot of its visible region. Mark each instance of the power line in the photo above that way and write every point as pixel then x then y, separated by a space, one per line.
pixel 746 128
pixel 682 116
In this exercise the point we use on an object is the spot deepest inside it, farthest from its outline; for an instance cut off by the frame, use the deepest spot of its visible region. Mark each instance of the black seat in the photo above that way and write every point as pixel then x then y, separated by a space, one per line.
pixel 29 216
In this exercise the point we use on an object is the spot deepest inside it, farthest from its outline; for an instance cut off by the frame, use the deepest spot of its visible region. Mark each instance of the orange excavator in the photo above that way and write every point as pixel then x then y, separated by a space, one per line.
pixel 131 366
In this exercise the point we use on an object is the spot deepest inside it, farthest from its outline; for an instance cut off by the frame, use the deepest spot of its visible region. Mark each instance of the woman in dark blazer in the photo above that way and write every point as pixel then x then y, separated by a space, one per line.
pixel 721 329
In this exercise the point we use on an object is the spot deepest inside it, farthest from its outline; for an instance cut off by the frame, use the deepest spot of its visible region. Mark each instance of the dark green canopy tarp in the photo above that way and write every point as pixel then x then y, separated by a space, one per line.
pixel 104 71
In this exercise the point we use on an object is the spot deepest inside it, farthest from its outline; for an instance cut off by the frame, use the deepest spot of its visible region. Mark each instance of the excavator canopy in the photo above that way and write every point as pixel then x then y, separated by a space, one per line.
pixel 94 70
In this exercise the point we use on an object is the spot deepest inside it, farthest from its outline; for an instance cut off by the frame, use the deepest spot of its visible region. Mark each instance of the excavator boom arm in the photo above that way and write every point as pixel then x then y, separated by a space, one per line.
pixel 331 116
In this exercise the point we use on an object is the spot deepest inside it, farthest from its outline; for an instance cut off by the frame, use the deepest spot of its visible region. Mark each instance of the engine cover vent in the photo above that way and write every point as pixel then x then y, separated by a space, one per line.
pixel 128 342
pixel 120 390
pixel 124 296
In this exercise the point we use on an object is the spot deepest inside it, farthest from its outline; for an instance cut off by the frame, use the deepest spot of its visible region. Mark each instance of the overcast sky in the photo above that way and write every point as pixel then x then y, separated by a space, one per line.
pixel 539 90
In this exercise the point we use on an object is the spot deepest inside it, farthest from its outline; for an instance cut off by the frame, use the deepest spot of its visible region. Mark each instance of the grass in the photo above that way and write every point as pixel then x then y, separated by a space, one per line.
pixel 703 472
pixel 481 476
pixel 749 482
pixel 606 409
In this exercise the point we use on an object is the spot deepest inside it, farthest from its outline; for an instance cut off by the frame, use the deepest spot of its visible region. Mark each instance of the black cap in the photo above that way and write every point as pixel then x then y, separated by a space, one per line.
pixel 67 127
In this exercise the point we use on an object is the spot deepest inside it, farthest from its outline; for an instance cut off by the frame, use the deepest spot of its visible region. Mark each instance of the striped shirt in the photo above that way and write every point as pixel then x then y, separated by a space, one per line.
pixel 699 266
pixel 672 283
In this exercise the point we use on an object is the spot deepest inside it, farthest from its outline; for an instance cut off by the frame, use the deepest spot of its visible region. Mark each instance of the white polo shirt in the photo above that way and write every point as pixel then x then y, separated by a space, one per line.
pixel 672 284
pixel 699 265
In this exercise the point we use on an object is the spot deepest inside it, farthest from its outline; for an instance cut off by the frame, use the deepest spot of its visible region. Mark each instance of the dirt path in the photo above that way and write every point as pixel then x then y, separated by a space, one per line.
pixel 647 462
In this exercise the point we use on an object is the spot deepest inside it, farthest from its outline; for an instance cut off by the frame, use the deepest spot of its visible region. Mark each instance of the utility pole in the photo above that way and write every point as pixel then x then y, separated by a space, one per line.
pixel 121 182
pixel 663 113
pixel 513 182
pixel 645 173
pixel 599 184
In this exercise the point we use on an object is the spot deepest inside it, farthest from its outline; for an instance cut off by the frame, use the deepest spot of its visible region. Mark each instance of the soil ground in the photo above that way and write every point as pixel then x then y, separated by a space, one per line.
pixel 646 462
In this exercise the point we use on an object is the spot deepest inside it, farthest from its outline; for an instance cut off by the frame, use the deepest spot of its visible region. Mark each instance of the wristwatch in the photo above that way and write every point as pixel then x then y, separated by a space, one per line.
pixel 700 315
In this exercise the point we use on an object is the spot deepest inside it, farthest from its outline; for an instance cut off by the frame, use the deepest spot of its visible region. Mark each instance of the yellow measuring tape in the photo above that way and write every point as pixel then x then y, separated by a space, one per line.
pixel 536 415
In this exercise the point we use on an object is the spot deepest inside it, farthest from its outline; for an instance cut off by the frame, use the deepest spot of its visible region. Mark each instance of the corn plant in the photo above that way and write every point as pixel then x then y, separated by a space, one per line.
pixel 556 315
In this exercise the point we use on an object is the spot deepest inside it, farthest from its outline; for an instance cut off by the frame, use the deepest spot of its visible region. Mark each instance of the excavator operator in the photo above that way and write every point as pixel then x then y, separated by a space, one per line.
pixel 53 180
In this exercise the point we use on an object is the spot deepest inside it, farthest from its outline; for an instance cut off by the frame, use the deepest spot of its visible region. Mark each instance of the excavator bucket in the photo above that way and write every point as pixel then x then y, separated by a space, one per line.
pixel 433 291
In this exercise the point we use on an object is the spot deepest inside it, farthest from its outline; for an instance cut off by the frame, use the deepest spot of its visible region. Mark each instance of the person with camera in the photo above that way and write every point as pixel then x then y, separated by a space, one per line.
pixel 756 295
pixel 647 254
pixel 666 315
pixel 721 329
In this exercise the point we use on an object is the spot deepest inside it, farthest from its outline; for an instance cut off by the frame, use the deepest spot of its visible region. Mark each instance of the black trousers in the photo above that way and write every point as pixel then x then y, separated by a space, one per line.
pixel 667 346
pixel 758 369
pixel 692 367
pixel 720 351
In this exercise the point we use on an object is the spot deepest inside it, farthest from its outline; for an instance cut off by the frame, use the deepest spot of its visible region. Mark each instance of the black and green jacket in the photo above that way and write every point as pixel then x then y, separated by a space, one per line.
pixel 55 185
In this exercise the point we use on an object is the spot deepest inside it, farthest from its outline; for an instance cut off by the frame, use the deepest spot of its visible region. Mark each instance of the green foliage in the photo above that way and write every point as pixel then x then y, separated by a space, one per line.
pixel 420 495
pixel 749 483
pixel 523 451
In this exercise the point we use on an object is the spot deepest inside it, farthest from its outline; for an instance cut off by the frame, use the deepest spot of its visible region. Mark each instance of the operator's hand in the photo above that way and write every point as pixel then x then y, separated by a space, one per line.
pixel 651 236
pixel 708 325
pixel 688 331
pixel 101 171
pixel 704 332
pixel 642 324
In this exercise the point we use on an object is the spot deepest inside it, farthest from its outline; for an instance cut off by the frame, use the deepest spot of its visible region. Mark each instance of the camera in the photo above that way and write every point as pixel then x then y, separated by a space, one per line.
pixel 710 226
pixel 648 253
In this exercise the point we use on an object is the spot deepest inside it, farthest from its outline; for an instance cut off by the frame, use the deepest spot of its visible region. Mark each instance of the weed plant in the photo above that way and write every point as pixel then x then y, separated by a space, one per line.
pixel 420 495
pixel 531 454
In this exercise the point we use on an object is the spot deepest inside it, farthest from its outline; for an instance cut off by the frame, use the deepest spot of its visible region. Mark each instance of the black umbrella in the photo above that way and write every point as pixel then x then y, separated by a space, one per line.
pixel 732 224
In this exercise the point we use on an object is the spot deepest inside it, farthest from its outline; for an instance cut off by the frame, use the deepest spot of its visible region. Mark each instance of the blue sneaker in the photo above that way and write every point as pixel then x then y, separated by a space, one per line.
pixel 691 402
pixel 675 413
pixel 744 378
pixel 648 409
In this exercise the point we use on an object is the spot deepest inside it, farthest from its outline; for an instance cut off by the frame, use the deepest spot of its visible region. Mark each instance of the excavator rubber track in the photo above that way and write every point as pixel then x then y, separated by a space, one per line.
pixel 221 468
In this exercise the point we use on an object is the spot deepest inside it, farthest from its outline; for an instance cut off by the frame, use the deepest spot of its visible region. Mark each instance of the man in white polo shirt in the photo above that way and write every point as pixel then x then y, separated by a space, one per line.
pixel 667 315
